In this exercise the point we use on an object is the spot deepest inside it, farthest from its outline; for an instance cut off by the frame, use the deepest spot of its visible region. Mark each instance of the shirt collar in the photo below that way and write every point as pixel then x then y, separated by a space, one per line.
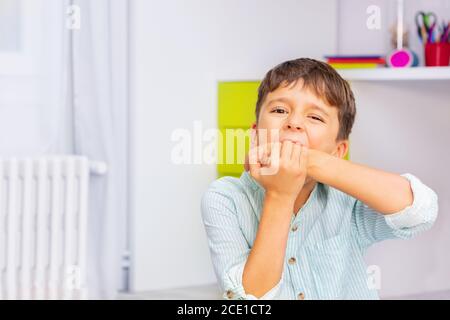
pixel 250 181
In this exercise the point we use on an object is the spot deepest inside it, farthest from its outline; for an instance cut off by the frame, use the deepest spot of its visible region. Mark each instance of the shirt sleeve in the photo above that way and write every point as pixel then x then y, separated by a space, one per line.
pixel 372 226
pixel 228 246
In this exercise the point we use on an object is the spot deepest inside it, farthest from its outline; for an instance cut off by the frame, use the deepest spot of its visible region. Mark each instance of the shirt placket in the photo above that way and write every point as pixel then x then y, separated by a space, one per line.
pixel 293 262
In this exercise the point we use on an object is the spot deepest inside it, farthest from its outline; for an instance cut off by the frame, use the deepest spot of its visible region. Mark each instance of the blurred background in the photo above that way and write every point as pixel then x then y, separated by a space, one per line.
pixel 113 81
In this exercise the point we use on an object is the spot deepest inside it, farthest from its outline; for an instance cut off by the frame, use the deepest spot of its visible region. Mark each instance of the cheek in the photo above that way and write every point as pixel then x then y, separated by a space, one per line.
pixel 314 141
pixel 266 128
pixel 270 123
pixel 320 140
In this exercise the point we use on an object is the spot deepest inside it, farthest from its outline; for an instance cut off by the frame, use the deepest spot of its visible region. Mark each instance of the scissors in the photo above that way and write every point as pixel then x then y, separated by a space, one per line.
pixel 445 32
pixel 425 23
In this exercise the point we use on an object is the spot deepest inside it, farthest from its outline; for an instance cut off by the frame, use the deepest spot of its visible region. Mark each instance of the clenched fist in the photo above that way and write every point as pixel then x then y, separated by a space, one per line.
pixel 280 167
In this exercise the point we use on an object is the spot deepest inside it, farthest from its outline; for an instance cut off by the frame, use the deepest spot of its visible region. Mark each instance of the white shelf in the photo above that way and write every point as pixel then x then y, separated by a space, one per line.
pixel 389 74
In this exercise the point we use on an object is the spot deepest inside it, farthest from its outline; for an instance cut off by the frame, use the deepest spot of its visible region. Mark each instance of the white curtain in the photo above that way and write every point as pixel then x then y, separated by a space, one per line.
pixel 85 81
pixel 99 76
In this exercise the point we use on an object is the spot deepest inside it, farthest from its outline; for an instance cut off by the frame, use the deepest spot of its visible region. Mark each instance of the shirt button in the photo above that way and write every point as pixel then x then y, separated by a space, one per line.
pixel 292 260
pixel 301 296
pixel 230 294
pixel 294 228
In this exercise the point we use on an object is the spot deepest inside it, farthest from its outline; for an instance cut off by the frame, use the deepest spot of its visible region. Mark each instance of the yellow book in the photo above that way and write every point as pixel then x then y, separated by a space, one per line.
pixel 355 65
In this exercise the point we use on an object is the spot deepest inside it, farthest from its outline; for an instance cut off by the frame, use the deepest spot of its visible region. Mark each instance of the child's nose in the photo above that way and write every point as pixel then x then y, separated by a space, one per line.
pixel 295 124
pixel 296 127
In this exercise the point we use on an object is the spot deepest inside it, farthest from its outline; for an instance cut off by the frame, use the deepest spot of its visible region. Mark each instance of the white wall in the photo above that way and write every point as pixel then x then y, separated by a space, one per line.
pixel 403 127
pixel 179 50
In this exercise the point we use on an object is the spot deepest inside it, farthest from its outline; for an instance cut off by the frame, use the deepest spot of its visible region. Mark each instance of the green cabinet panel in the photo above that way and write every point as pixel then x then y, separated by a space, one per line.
pixel 233 147
pixel 236 111
pixel 237 102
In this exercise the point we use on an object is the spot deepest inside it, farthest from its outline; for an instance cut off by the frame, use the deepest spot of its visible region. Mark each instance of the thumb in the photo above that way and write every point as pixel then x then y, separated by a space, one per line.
pixel 304 157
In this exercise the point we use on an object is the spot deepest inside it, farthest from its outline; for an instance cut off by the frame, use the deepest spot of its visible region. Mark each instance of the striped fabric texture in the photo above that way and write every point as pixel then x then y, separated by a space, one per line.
pixel 326 243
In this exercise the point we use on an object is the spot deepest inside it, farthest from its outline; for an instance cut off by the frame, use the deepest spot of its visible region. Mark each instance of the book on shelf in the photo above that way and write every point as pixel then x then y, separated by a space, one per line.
pixel 356 62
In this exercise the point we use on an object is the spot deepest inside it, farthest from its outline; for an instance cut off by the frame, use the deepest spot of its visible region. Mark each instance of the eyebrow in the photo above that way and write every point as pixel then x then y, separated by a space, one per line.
pixel 316 107
pixel 281 99
pixel 289 101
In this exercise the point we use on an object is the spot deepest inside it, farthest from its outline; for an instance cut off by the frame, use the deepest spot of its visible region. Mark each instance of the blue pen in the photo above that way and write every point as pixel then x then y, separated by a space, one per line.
pixel 431 34
pixel 442 33
pixel 445 32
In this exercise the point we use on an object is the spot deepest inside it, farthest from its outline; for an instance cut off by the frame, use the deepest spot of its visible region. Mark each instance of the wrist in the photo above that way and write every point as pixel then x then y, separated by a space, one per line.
pixel 280 197
pixel 316 162
pixel 278 205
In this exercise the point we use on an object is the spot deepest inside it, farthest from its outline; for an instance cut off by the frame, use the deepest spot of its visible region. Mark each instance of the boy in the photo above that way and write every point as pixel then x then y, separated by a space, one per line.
pixel 297 222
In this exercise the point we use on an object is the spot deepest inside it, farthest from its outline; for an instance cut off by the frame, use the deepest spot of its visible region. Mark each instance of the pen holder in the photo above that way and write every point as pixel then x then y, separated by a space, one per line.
pixel 437 54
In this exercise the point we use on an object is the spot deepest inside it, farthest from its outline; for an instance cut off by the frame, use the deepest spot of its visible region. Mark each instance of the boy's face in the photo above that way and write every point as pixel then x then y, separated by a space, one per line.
pixel 299 115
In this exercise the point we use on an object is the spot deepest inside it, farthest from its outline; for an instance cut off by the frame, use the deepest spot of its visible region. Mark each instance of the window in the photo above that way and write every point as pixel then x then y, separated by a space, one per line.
pixel 20 34
pixel 9 25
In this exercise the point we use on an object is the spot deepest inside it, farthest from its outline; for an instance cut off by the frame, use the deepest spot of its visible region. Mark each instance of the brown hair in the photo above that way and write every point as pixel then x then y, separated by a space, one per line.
pixel 319 77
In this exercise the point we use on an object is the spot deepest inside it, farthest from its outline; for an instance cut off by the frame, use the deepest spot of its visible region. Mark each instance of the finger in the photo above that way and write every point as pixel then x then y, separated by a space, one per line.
pixel 253 165
pixel 266 152
pixel 253 156
pixel 286 150
pixel 275 153
pixel 262 145
pixel 261 153
pixel 273 161
pixel 269 151
pixel 246 163
pixel 296 150
pixel 304 157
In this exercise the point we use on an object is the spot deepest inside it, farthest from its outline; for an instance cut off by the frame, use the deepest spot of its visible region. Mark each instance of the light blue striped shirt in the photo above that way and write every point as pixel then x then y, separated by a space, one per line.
pixel 326 242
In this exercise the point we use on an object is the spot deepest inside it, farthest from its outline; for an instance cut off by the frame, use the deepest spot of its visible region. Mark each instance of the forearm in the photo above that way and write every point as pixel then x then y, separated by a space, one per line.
pixel 264 265
pixel 382 191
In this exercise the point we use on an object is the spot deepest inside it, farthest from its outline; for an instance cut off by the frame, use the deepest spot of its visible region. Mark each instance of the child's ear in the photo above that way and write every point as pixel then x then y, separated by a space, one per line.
pixel 341 149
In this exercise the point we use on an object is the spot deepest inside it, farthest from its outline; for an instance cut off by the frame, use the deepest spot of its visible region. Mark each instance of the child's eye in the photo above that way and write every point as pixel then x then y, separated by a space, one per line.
pixel 278 110
pixel 316 118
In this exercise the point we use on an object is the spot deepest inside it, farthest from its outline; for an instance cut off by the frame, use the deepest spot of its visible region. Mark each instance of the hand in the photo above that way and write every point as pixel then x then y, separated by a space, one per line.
pixel 281 168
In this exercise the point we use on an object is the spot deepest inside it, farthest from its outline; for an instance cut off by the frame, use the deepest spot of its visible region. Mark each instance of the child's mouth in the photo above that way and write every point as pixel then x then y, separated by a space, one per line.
pixel 296 140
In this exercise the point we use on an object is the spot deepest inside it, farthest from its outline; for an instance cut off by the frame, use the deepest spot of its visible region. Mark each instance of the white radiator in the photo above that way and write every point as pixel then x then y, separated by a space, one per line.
pixel 43 227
